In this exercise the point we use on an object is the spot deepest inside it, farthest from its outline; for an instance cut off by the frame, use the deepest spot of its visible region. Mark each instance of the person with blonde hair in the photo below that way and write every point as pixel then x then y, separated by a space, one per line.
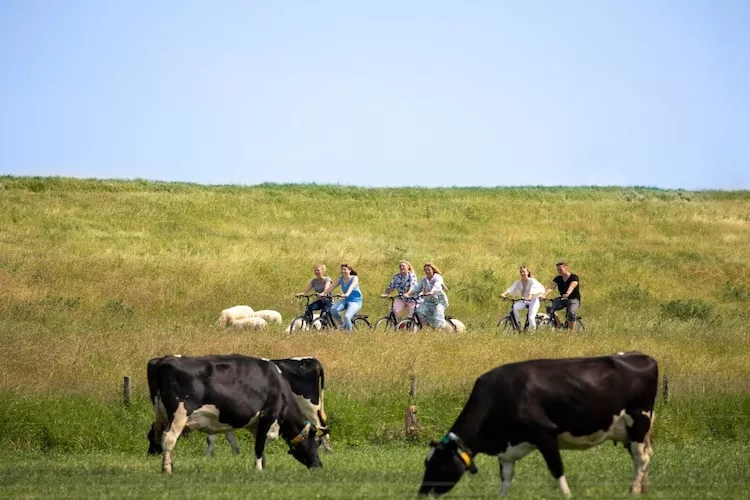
pixel 432 289
pixel 530 291
pixel 351 297
pixel 319 284
pixel 403 282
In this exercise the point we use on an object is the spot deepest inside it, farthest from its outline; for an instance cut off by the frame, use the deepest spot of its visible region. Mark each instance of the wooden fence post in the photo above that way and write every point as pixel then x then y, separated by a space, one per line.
pixel 410 416
pixel 126 391
pixel 665 389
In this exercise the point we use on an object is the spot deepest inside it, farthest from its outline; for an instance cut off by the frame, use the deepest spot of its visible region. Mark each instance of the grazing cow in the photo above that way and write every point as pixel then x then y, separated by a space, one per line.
pixel 307 380
pixel 217 394
pixel 549 404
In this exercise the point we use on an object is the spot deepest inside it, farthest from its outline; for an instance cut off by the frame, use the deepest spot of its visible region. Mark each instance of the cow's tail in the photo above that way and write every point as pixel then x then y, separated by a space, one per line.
pixel 321 410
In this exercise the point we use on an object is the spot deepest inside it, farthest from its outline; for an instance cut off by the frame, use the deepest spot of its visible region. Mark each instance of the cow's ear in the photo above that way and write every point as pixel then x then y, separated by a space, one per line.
pixel 322 432
pixel 313 431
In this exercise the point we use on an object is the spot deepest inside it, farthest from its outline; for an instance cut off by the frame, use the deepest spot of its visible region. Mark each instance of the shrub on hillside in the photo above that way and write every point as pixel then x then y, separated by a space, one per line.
pixel 688 309
pixel 629 292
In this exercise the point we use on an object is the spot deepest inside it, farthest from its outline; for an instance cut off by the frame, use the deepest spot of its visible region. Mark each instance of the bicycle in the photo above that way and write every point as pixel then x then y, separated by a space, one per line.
pixel 325 321
pixel 546 321
pixel 508 323
pixel 414 323
pixel 389 321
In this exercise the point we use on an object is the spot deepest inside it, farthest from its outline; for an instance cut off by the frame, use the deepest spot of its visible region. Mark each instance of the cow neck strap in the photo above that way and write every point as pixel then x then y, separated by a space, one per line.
pixel 462 451
pixel 302 434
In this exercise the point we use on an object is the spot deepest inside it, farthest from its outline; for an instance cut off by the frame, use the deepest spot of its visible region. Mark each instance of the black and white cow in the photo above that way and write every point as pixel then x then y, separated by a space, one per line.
pixel 546 405
pixel 307 380
pixel 217 394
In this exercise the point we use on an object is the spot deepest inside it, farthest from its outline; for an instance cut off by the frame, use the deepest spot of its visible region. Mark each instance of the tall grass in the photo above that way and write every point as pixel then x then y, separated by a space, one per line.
pixel 99 276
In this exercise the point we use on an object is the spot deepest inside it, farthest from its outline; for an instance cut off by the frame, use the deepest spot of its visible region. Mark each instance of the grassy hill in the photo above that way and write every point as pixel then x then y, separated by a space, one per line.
pixel 96 277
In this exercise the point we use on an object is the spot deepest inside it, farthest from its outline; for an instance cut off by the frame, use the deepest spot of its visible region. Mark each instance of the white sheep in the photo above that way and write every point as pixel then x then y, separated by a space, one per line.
pixel 228 316
pixel 460 327
pixel 251 323
pixel 269 315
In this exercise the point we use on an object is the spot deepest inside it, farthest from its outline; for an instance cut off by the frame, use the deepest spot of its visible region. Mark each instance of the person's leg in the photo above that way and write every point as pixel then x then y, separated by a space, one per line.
pixel 517 306
pixel 336 308
pixel 352 308
pixel 398 309
pixel 573 305
pixel 533 309
pixel 556 305
pixel 439 316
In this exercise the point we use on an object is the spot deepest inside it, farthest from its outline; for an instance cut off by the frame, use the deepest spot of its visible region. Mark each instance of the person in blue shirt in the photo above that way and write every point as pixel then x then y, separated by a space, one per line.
pixel 351 297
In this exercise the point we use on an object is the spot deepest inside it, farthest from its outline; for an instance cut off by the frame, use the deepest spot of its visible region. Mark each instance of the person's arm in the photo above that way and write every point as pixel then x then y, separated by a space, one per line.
pixel 331 286
pixel 352 286
pixel 536 290
pixel 412 283
pixel 511 289
pixel 304 292
pixel 549 289
pixel 571 287
pixel 389 288
pixel 416 290
pixel 437 284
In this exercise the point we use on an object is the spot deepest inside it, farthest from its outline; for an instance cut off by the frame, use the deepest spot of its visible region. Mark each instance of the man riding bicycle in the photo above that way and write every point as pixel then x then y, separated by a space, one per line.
pixel 570 294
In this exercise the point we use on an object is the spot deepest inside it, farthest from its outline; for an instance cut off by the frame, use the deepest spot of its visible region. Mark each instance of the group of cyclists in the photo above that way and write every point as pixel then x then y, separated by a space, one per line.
pixel 428 295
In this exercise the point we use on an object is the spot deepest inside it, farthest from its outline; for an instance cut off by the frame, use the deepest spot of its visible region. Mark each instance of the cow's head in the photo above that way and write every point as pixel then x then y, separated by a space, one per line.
pixel 446 462
pixel 304 446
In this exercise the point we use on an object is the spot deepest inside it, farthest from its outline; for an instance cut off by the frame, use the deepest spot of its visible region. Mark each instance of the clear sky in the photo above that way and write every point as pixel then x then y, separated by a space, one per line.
pixel 382 93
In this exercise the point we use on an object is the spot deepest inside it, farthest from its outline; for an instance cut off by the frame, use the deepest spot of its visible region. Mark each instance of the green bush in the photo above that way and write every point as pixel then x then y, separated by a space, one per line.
pixel 688 309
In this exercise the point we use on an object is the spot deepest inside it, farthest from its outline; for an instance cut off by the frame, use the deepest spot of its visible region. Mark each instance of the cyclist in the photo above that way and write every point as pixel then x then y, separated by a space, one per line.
pixel 403 282
pixel 351 301
pixel 570 294
pixel 432 287
pixel 530 291
pixel 319 284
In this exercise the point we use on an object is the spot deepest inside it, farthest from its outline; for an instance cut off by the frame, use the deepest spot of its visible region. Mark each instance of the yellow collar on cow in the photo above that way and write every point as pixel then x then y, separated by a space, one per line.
pixel 463 452
pixel 301 436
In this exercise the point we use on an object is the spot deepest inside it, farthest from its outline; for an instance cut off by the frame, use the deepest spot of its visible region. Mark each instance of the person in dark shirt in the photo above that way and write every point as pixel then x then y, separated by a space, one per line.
pixel 570 293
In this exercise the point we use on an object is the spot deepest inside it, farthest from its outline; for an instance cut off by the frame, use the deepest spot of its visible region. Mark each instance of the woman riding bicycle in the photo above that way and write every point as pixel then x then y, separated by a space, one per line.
pixel 403 282
pixel 351 297
pixel 319 284
pixel 432 288
pixel 530 291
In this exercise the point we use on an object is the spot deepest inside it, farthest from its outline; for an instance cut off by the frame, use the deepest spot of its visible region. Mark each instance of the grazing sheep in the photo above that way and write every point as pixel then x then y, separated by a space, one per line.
pixel 229 316
pixel 251 323
pixel 460 327
pixel 269 315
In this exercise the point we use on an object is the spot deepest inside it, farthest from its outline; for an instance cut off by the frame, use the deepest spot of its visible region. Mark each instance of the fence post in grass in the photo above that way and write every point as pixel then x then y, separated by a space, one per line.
pixel 410 417
pixel 665 389
pixel 126 391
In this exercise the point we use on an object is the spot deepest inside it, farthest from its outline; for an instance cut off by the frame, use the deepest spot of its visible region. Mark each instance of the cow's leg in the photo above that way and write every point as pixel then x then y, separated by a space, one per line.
pixel 264 425
pixel 551 453
pixel 179 419
pixel 210 444
pixel 506 473
pixel 640 449
pixel 232 438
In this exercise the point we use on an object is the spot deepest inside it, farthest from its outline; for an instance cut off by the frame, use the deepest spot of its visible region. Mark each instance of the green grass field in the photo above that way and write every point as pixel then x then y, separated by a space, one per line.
pixel 703 470
pixel 97 277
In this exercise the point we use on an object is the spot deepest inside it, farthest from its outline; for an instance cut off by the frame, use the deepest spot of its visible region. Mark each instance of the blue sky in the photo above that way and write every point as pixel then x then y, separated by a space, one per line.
pixel 387 93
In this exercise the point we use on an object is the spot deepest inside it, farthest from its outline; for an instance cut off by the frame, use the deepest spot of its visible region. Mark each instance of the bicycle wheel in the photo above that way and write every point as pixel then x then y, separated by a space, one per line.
pixel 506 325
pixel 298 323
pixel 407 325
pixel 383 325
pixel 359 323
